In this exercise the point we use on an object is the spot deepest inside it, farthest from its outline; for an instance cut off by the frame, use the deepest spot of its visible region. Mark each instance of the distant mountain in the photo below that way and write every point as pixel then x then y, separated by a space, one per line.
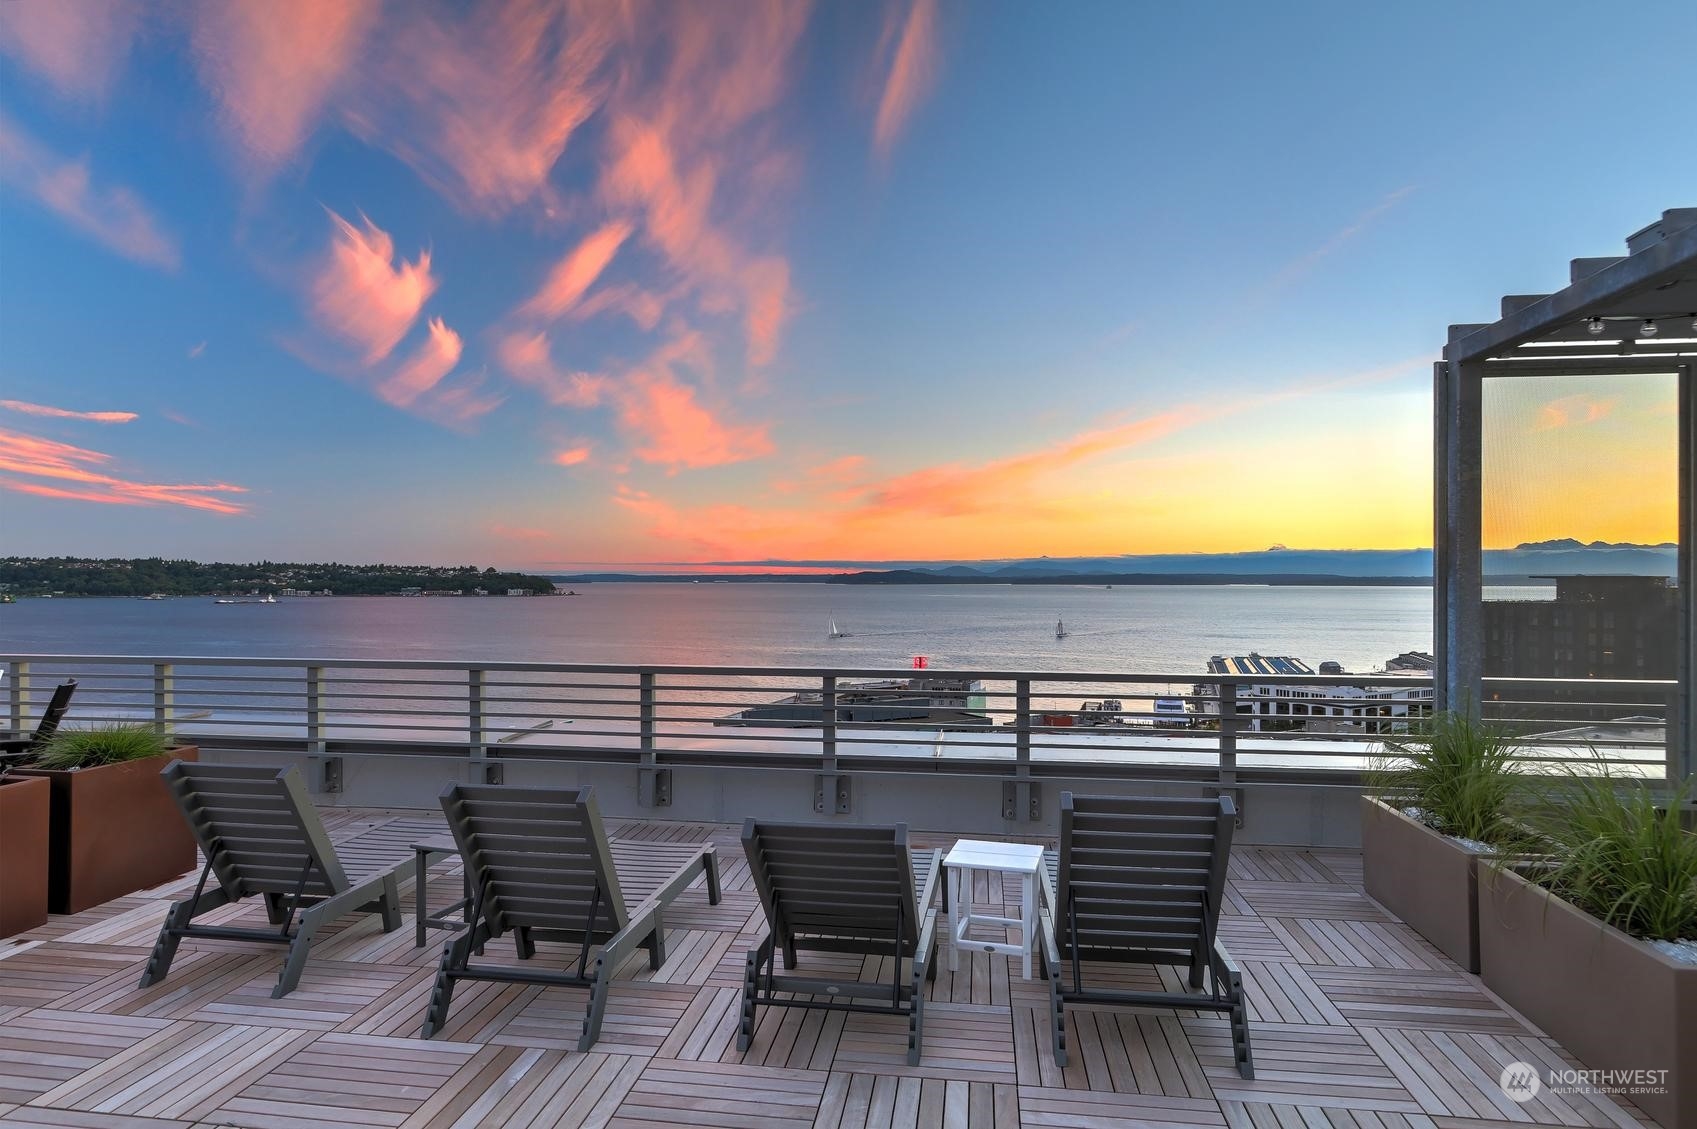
pixel 1562 556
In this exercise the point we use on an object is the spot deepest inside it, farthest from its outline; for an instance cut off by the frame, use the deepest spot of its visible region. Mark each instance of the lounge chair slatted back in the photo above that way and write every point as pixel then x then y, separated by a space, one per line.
pixel 538 857
pixel 539 864
pixel 260 834
pixel 843 883
pixel 856 890
pixel 1141 880
pixel 24 748
pixel 1142 873
pixel 258 829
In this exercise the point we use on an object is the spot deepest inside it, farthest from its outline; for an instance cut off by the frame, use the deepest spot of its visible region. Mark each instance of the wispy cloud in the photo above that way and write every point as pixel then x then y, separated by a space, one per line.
pixel 912 68
pixel 272 67
pixel 1299 268
pixel 573 275
pixel 362 295
pixel 65 413
pixel 482 99
pixel 111 215
pixel 526 357
pixel 78 48
pixel 841 503
pixel 573 456
pixel 196 350
pixel 424 370
pixel 1572 411
pixel 33 459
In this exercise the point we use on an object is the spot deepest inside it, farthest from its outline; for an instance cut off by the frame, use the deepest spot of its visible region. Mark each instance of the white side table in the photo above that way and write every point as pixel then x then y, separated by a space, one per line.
pixel 969 856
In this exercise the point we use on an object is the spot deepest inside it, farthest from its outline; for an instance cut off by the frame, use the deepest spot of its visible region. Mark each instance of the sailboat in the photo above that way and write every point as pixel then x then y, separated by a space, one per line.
pixel 835 632
pixel 1061 631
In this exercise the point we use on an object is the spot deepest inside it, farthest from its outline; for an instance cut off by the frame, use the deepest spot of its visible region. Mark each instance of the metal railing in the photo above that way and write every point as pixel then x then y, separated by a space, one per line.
pixel 1020 725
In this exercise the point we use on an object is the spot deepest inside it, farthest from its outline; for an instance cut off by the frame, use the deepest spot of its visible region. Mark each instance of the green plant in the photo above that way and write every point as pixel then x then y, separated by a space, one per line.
pixel 1618 849
pixel 1455 772
pixel 104 744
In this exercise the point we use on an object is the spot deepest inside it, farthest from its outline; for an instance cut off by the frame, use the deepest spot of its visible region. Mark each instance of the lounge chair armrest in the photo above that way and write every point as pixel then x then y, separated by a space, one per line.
pixel 929 872
pixel 924 951
pixel 1046 877
pixel 1046 934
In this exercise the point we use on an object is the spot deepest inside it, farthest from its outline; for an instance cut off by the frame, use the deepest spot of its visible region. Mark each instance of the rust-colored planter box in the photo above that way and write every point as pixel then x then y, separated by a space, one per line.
pixel 115 829
pixel 1613 1001
pixel 1427 879
pixel 23 854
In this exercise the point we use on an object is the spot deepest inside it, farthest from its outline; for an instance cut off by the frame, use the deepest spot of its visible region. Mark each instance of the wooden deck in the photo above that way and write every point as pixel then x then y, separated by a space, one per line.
pixel 1356 1022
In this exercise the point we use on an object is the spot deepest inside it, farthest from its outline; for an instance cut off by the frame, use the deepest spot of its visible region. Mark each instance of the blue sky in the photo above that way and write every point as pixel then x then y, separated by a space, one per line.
pixel 537 284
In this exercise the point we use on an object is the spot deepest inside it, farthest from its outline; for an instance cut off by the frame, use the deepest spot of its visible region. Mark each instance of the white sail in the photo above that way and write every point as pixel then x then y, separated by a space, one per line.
pixel 1060 630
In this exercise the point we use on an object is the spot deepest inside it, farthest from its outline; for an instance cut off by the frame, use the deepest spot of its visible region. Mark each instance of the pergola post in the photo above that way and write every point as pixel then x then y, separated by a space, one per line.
pixel 1682 722
pixel 1458 506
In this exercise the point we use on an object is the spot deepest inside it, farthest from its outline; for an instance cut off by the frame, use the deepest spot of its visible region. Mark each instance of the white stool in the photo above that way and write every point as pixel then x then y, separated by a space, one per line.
pixel 969 856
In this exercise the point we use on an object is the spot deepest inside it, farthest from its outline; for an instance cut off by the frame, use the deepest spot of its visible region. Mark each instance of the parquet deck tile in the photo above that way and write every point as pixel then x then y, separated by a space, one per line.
pixel 1357 1023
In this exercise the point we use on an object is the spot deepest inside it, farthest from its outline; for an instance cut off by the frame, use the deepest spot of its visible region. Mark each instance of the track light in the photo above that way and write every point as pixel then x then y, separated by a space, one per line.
pixel 1648 329
pixel 1594 327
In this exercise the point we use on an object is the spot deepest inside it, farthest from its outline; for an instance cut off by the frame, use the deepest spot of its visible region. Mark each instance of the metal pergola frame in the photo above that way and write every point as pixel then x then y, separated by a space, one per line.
pixel 1592 327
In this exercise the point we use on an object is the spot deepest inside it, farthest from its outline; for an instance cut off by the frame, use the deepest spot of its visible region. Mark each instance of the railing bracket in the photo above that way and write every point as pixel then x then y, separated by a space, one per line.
pixel 832 793
pixel 654 787
pixel 494 772
pixel 326 774
pixel 1237 796
pixel 1022 796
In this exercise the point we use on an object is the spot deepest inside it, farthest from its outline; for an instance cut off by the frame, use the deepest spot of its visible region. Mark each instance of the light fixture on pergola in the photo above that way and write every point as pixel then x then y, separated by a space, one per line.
pixel 1629 315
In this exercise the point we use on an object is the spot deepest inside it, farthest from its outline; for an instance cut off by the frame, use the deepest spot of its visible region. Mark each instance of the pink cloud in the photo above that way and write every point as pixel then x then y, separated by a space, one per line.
pixel 111 215
pixel 672 427
pixel 482 99
pixel 577 272
pixel 1571 411
pixel 35 458
pixel 196 350
pixel 78 48
pixel 527 359
pixel 642 307
pixel 362 296
pixel 425 369
pixel 572 456
pixel 517 532
pixel 273 66
pixel 913 68
pixel 460 404
pixel 65 413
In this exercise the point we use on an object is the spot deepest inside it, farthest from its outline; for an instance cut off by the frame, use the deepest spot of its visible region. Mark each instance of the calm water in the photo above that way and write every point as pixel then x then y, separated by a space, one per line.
pixel 1150 629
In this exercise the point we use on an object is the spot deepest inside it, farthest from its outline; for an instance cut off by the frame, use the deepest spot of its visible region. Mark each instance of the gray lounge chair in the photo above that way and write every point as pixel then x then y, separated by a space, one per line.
pixel 1139 881
pixel 841 890
pixel 540 865
pixel 261 835
pixel 21 750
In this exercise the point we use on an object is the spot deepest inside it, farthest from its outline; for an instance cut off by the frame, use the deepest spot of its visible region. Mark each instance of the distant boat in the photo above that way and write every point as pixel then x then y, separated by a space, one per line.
pixel 835 632
pixel 1061 631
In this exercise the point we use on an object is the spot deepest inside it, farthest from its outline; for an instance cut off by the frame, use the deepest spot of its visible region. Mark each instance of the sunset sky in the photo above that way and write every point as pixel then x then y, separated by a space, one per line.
pixel 561 284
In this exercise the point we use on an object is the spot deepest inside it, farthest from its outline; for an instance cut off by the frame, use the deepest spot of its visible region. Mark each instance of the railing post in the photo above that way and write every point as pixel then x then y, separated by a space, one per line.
pixel 164 695
pixel 326 770
pixel 832 793
pixel 483 770
pixel 17 698
pixel 1021 797
pixel 653 783
pixel 1228 745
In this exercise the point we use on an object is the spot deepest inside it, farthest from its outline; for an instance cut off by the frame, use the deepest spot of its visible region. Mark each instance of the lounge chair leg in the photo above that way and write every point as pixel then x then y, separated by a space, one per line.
pixel 916 1019
pixel 757 957
pixel 1198 963
pixel 299 949
pixel 442 992
pixel 596 1010
pixel 171 934
pixel 656 942
pixel 712 879
pixel 275 912
pixel 522 944
pixel 1058 1020
pixel 390 906
pixel 1240 1030
pixel 789 952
